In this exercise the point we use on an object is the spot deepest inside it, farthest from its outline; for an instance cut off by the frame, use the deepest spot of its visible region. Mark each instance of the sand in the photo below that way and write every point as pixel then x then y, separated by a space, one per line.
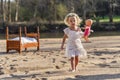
pixel 102 62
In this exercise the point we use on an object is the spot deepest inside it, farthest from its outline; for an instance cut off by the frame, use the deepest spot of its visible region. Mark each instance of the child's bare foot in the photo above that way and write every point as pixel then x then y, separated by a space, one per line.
pixel 72 70
pixel 88 41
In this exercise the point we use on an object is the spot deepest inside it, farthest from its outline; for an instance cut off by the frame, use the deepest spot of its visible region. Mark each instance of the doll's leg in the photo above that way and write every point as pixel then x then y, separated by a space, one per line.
pixel 86 38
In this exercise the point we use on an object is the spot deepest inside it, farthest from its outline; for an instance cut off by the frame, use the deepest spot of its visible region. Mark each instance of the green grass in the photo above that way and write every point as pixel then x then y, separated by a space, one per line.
pixel 106 19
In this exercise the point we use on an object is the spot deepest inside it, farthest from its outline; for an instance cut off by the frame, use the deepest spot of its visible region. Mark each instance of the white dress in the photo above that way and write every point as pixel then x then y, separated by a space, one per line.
pixel 74 46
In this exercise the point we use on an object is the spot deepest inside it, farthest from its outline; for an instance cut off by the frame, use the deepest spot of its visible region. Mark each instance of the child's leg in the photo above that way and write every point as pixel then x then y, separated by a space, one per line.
pixel 76 61
pixel 72 63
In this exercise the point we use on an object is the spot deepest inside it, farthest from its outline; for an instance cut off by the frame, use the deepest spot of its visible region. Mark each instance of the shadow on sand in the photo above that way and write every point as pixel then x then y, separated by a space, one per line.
pixel 96 77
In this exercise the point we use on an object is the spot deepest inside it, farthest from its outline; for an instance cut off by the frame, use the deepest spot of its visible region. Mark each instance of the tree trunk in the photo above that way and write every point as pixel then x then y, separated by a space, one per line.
pixel 111 11
pixel 36 2
pixel 17 10
pixel 54 10
pixel 4 11
pixel 9 11
pixel 84 10
pixel 72 6
pixel 35 12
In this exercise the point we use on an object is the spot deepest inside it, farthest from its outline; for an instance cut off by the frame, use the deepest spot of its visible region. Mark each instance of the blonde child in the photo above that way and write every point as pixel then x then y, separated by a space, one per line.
pixel 74 47
pixel 87 31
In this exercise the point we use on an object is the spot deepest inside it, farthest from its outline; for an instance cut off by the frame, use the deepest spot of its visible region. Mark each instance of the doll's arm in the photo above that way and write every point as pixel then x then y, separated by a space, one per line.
pixel 83 28
pixel 91 30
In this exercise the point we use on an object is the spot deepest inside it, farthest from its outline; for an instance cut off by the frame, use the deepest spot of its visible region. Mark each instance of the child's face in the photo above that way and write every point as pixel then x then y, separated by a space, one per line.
pixel 72 21
pixel 88 22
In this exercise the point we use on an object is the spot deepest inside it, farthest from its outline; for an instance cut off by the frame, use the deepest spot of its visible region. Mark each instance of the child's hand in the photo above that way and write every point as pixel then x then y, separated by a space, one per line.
pixel 79 29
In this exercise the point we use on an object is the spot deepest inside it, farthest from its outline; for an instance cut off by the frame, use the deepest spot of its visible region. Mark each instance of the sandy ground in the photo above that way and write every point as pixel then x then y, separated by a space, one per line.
pixel 102 62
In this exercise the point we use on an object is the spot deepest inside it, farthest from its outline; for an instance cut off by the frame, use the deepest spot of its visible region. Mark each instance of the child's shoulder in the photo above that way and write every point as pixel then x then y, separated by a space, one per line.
pixel 66 28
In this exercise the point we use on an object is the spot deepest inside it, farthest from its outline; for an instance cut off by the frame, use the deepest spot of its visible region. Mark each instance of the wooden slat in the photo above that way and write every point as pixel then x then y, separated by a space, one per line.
pixel 34 35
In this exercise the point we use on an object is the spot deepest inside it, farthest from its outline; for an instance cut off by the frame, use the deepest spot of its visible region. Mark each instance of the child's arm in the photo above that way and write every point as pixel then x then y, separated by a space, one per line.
pixel 63 41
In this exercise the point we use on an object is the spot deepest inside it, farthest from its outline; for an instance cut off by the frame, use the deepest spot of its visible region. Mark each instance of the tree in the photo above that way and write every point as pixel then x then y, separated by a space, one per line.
pixel 111 9
pixel 61 11
pixel 9 11
pixel 17 10
pixel 84 10
pixel 5 10
pixel 2 9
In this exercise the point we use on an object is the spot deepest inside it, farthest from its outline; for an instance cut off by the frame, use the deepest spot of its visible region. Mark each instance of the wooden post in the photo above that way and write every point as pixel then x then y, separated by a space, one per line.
pixel 25 29
pixel 7 33
pixel 20 39
pixel 38 38
pixel 7 36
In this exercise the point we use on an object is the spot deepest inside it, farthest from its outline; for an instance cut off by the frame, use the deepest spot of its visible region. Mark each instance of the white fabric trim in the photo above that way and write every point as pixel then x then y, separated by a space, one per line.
pixel 25 40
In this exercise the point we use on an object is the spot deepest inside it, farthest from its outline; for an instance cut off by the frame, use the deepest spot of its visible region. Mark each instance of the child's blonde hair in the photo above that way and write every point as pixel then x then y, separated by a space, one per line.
pixel 72 15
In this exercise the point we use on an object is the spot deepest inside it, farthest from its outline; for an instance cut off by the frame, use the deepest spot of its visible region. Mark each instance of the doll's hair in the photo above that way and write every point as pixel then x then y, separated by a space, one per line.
pixel 90 20
pixel 72 15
